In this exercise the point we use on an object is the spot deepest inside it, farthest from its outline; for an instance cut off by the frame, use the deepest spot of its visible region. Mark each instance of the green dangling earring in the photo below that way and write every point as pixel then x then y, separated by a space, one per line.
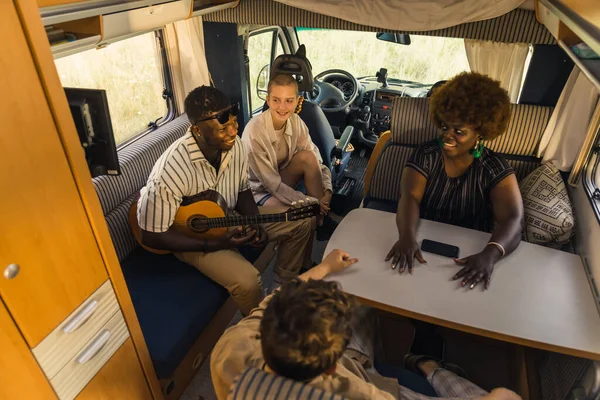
pixel 440 142
pixel 478 150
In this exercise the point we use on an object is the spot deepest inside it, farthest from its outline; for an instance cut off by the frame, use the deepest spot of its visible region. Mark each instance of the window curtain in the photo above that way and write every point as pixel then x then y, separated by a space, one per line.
pixel 408 15
pixel 189 69
pixel 568 125
pixel 504 62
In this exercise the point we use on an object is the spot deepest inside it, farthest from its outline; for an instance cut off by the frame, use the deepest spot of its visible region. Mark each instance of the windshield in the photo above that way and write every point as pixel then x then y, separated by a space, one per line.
pixel 426 60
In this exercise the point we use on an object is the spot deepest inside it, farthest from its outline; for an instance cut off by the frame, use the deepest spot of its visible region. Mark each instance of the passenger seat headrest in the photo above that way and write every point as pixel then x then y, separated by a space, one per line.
pixel 295 64
pixel 434 87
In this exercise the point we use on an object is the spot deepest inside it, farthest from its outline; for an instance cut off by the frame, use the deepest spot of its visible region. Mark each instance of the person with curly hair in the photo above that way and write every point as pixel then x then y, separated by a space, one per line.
pixel 307 331
pixel 456 180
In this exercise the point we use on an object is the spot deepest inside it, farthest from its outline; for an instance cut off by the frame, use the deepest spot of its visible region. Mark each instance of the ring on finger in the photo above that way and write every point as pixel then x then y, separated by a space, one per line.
pixel 477 280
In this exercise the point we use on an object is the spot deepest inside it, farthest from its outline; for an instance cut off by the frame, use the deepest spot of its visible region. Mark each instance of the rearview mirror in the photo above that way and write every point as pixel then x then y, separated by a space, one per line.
pixel 400 38
pixel 262 82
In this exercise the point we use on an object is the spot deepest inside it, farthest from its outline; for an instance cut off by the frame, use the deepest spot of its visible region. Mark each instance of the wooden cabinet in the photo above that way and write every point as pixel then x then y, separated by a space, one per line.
pixel 20 377
pixel 573 22
pixel 88 32
pixel 66 319
pixel 44 228
pixel 50 3
pixel 121 378
pixel 556 27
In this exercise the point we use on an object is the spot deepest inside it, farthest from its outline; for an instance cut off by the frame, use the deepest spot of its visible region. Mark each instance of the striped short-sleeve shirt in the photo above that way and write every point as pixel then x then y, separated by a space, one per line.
pixel 462 201
pixel 181 171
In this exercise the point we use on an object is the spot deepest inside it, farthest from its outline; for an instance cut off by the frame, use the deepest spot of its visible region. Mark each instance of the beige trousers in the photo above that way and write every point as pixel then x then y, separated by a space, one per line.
pixel 232 271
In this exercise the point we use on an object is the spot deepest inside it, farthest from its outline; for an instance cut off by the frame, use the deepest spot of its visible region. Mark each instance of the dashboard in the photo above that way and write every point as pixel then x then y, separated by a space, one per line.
pixel 341 82
pixel 381 110
pixel 373 105
pixel 346 87
pixel 380 99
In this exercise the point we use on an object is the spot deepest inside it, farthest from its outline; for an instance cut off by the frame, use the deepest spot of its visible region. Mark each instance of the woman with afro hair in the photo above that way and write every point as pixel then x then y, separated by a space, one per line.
pixel 456 180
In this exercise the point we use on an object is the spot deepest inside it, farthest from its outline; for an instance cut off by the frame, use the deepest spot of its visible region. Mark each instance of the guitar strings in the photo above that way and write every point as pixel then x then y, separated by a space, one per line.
pixel 224 222
pixel 237 220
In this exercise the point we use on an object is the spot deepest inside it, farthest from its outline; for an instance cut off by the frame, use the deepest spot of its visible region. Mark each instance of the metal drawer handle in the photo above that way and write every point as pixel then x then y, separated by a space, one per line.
pixel 81 318
pixel 94 348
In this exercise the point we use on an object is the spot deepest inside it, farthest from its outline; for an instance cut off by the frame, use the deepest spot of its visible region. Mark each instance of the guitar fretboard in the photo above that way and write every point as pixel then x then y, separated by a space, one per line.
pixel 238 220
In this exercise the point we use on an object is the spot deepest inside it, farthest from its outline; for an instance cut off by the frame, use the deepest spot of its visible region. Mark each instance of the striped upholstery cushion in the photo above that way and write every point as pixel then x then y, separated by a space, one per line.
pixel 118 226
pixel 411 126
pixel 116 193
pixel 517 26
pixel 410 123
pixel 257 384
pixel 524 132
pixel 385 183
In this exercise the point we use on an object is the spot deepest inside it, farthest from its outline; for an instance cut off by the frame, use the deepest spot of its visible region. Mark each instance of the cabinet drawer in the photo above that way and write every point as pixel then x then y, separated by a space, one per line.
pixel 91 358
pixel 121 377
pixel 73 333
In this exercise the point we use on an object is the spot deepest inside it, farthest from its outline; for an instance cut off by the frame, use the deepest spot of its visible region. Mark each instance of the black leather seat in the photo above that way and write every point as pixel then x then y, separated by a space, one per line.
pixel 434 87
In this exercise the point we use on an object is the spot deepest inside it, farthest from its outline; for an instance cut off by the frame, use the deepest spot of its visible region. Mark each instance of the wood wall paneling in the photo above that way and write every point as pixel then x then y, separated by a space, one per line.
pixel 20 376
pixel 44 62
pixel 43 225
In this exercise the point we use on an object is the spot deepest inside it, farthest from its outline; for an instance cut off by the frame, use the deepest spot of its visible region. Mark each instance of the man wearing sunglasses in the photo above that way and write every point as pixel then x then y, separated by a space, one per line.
pixel 211 156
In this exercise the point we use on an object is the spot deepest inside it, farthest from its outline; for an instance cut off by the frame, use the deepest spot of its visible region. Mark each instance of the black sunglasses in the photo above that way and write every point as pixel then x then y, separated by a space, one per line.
pixel 223 116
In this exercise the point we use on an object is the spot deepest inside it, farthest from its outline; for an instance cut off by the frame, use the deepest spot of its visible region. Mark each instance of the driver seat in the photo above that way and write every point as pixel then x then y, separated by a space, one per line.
pixel 335 155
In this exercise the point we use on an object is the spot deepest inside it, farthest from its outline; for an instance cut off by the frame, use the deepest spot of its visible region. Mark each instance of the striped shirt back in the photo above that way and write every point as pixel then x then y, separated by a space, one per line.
pixel 462 201
pixel 181 171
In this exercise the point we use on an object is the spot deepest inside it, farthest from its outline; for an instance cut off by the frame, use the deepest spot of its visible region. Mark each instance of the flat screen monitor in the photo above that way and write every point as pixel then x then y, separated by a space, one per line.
pixel 89 108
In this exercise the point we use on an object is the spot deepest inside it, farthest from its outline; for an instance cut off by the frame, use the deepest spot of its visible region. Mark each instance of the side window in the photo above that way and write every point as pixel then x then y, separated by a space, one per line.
pixel 132 73
pixel 278 49
pixel 260 46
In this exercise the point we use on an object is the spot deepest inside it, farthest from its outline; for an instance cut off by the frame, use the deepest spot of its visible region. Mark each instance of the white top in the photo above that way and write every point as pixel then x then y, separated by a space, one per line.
pixel 264 164
pixel 182 170
pixel 539 297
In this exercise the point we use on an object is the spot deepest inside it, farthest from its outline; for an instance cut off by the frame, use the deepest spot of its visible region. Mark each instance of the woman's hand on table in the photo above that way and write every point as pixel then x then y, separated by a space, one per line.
pixel 403 253
pixel 477 268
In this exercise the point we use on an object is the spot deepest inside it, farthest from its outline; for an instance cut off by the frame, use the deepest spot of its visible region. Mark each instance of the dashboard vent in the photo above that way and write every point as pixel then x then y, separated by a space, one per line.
pixel 367 98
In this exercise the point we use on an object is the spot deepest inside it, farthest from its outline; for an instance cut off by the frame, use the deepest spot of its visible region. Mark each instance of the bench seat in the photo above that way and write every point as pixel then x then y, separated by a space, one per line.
pixel 174 302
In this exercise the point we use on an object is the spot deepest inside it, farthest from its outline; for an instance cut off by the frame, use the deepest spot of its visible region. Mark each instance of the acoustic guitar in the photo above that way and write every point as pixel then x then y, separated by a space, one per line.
pixel 204 216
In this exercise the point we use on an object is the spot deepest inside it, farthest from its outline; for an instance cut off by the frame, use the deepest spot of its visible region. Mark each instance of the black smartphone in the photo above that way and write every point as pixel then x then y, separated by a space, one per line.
pixel 443 249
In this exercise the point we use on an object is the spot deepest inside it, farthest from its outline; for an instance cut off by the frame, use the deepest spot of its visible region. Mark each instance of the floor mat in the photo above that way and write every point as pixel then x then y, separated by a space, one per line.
pixel 356 170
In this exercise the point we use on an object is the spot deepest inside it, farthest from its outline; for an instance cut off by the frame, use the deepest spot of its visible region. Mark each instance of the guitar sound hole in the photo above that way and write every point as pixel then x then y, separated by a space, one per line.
pixel 198 224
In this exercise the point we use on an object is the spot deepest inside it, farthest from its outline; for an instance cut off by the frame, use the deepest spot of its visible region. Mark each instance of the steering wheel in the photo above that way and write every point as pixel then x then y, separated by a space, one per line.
pixel 327 96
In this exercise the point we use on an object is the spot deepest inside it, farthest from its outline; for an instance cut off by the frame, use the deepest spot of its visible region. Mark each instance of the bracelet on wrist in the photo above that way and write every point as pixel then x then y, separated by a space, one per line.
pixel 498 246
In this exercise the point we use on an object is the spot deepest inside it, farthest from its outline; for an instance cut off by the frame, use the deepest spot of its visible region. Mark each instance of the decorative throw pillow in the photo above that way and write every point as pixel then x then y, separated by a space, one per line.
pixel 549 218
